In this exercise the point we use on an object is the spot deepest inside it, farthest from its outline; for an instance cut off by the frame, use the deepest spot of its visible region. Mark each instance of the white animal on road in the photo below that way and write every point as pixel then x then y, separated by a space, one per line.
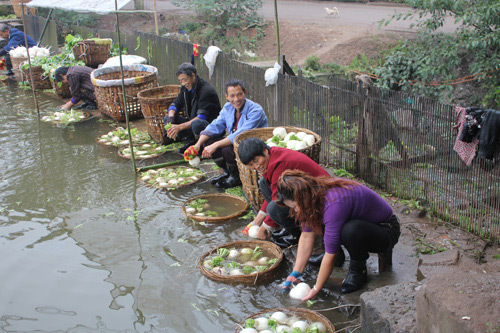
pixel 332 12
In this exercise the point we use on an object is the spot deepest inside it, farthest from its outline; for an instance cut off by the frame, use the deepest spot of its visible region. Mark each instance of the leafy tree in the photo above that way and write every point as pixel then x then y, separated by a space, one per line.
pixel 224 13
pixel 475 47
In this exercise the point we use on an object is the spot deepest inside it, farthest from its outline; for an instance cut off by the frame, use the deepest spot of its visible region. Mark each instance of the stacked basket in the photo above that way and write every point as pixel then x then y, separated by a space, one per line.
pixel 93 52
pixel 108 89
pixel 250 178
pixel 40 80
pixel 154 105
pixel 16 64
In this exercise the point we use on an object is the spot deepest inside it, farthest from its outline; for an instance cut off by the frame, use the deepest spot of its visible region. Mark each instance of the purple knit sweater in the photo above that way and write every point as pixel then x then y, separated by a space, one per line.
pixel 344 204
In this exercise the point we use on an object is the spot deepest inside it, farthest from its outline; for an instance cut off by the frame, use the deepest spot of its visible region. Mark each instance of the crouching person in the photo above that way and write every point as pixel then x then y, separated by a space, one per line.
pixel 200 103
pixel 80 86
pixel 271 163
pixel 238 115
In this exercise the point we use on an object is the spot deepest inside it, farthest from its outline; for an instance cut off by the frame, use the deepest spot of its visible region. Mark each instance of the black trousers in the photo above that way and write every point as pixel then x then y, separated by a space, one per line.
pixel 361 237
pixel 8 62
pixel 226 153
pixel 279 214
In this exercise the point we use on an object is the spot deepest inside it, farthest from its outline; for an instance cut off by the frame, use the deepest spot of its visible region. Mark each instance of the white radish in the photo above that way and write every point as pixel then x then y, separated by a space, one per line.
pixel 281 131
pixel 280 317
pixel 309 140
pixel 253 231
pixel 319 325
pixel 233 254
pixel 301 135
pixel 195 162
pixel 301 325
pixel 190 210
pixel 146 178
pixel 263 261
pixel 236 271
pixel 283 329
pixel 300 145
pixel 291 144
pixel 261 323
pixel 287 137
pixel 300 291
pixel 248 330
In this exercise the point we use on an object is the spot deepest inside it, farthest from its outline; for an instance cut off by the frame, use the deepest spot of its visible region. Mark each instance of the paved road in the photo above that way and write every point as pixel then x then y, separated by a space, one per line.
pixel 352 14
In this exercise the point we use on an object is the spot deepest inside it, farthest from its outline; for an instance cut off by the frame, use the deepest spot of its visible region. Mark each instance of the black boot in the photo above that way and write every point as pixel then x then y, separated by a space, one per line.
pixel 316 259
pixel 280 233
pixel 221 164
pixel 356 277
pixel 233 179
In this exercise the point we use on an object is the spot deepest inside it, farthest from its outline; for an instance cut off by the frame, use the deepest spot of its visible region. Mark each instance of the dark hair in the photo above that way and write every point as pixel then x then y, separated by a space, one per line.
pixel 235 83
pixel 186 68
pixel 309 194
pixel 59 73
pixel 4 27
pixel 250 148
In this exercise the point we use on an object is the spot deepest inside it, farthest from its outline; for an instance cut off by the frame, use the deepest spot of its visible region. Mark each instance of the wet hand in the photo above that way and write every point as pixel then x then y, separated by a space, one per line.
pixel 263 233
pixel 209 150
pixel 311 294
pixel 173 131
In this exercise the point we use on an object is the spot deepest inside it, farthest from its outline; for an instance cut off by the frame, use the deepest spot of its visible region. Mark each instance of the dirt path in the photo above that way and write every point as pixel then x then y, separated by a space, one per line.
pixel 306 29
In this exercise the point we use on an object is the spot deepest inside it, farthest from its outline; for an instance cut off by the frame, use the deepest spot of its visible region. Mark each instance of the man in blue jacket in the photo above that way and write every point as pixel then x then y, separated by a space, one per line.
pixel 16 38
pixel 238 115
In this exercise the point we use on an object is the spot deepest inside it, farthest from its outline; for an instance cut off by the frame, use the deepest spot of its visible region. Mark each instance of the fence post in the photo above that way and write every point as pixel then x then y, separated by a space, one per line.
pixel 363 161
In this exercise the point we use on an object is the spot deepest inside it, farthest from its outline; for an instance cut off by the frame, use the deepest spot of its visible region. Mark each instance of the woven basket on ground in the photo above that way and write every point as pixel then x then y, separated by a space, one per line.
pixel 250 178
pixel 108 89
pixel 18 10
pixel 40 80
pixel 171 187
pixel 16 63
pixel 253 278
pixel 137 157
pixel 61 89
pixel 303 314
pixel 154 105
pixel 214 219
pixel 93 52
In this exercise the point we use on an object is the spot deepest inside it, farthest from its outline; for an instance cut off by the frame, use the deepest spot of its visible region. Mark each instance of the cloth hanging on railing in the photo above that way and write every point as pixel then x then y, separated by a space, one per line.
pixel 479 128
pixel 466 150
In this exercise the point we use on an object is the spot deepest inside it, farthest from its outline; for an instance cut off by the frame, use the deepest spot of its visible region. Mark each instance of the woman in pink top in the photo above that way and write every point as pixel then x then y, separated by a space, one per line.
pixel 345 213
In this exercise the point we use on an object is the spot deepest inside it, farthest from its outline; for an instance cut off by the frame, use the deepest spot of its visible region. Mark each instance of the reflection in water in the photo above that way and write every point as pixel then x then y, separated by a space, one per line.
pixel 85 248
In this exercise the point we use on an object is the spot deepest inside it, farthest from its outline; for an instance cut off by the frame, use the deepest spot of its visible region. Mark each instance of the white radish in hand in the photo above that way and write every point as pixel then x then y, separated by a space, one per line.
pixel 195 162
pixel 300 291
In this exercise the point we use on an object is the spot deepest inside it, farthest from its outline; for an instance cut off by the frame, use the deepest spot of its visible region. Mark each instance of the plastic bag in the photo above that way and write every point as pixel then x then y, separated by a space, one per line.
pixel 210 59
pixel 127 59
pixel 271 74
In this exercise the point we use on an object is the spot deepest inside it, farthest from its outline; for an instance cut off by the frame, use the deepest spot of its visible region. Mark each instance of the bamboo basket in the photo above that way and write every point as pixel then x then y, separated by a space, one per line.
pixel 213 219
pixel 16 64
pixel 40 80
pixel 173 187
pixel 18 9
pixel 93 52
pixel 61 89
pixel 249 278
pixel 108 89
pixel 250 178
pixel 154 105
pixel 306 314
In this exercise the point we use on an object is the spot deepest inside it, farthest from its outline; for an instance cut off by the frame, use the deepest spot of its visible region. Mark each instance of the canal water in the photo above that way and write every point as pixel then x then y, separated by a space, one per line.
pixel 86 248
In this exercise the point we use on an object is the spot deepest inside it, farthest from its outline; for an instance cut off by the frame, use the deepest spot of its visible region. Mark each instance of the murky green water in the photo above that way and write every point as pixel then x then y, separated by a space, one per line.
pixel 85 247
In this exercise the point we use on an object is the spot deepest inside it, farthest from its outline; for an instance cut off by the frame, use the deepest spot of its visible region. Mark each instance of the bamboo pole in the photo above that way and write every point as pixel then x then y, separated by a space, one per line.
pixel 156 18
pixel 162 165
pixel 45 26
pixel 29 60
pixel 277 30
pixel 131 145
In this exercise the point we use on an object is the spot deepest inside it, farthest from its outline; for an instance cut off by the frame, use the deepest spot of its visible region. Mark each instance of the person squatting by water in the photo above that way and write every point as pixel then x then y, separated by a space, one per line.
pixel 238 115
pixel 343 212
pixel 271 162
pixel 200 103
pixel 15 38
pixel 80 86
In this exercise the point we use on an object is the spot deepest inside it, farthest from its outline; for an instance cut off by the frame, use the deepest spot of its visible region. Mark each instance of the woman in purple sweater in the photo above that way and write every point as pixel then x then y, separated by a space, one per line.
pixel 345 213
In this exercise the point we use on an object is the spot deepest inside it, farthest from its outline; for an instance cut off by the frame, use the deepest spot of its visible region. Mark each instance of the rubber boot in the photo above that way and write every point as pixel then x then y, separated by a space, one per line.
pixel 280 233
pixel 222 165
pixel 315 260
pixel 356 278
pixel 233 179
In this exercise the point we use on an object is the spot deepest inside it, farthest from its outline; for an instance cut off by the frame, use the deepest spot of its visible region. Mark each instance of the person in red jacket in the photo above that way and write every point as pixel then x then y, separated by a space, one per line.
pixel 271 162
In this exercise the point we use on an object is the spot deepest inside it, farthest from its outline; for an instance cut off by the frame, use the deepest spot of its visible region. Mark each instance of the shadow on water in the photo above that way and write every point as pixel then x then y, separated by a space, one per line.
pixel 86 248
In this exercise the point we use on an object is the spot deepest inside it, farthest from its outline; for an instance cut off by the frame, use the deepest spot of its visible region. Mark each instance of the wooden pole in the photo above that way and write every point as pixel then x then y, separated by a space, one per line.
pixel 277 30
pixel 156 18
pixel 45 26
pixel 131 145
pixel 29 60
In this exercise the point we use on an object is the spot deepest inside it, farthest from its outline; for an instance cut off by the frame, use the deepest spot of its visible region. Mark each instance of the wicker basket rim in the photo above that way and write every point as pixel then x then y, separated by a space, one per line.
pixel 219 218
pixel 141 96
pixel 249 133
pixel 295 311
pixel 248 277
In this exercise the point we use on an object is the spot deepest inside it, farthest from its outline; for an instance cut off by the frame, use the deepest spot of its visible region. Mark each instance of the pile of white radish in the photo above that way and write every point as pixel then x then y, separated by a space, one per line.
pixel 119 137
pixel 143 150
pixel 279 322
pixel 243 261
pixel 35 51
pixel 65 117
pixel 171 177
pixel 291 140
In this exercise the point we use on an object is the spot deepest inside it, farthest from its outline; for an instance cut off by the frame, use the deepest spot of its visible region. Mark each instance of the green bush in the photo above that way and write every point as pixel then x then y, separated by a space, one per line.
pixel 312 63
